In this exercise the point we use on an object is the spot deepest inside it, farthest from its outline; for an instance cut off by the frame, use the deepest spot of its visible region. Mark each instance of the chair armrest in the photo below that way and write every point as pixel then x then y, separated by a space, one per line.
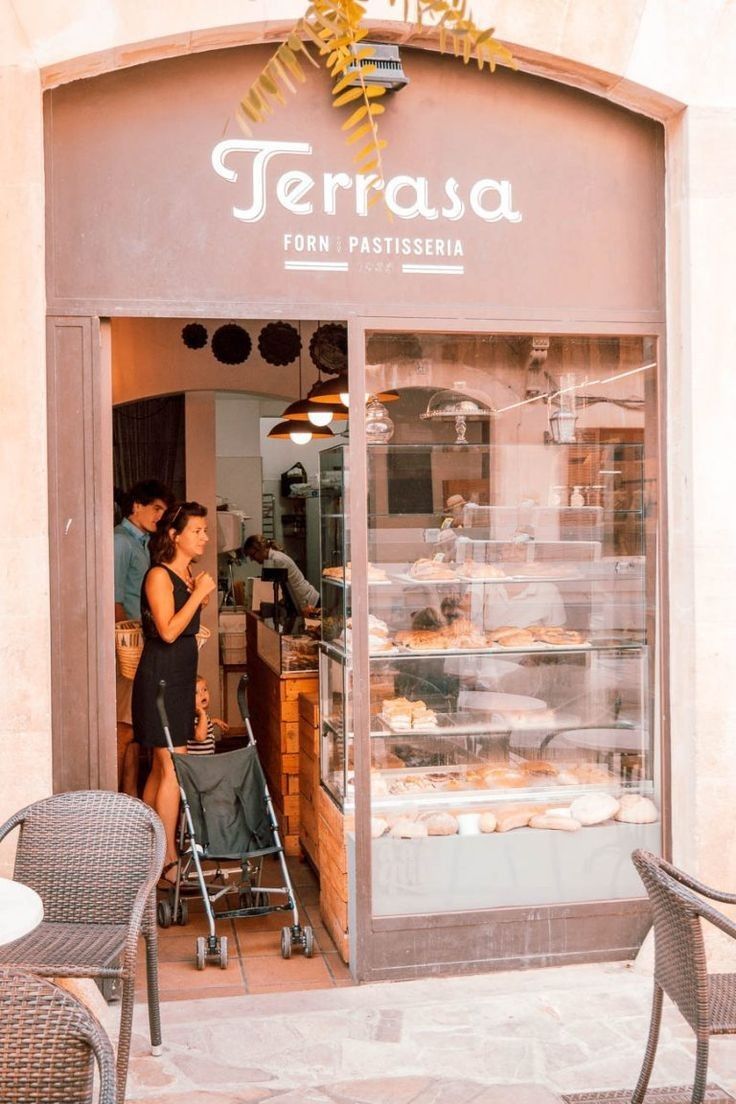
pixel 98 1040
pixel 699 887
pixel 13 822
pixel 146 892
pixel 717 919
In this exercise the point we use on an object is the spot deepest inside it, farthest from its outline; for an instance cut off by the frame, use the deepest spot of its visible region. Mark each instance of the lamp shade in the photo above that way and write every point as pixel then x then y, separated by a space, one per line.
pixel 285 431
pixel 300 410
pixel 332 390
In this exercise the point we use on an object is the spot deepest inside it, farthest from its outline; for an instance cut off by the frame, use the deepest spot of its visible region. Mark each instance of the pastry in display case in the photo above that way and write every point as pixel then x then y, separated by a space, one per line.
pixel 509 686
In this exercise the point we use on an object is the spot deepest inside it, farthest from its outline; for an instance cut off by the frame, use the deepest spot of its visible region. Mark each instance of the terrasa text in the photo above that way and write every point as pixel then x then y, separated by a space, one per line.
pixel 407 197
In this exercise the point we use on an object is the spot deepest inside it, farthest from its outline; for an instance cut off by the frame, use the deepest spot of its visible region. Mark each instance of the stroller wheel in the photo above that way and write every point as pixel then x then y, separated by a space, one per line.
pixel 286 942
pixel 164 914
pixel 182 915
pixel 223 953
pixel 308 936
pixel 201 952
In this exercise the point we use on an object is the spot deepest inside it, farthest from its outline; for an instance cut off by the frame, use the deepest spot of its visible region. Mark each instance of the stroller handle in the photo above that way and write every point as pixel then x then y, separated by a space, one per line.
pixel 242 697
pixel 160 703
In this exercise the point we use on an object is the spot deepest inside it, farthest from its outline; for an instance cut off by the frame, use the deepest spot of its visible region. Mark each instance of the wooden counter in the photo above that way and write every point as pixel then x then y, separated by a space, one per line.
pixel 309 777
pixel 273 701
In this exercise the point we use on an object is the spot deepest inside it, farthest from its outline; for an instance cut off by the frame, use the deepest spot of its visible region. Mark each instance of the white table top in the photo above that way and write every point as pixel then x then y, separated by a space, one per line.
pixel 21 910
pixel 603 739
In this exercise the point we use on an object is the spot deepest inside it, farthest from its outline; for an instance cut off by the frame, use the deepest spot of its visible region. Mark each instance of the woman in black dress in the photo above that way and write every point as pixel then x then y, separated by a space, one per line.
pixel 171 600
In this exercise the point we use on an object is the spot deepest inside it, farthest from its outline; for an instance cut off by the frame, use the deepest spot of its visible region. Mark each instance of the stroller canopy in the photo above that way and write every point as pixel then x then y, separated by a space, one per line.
pixel 226 795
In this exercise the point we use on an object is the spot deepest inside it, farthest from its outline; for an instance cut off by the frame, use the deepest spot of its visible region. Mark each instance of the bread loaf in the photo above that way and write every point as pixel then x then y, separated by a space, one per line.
pixel 503 778
pixel 594 808
pixel 487 822
pixel 539 767
pixel 635 809
pixel 515 638
pixel 558 823
pixel 567 777
pixel 408 829
pixel 440 824
pixel 517 816
pixel 588 773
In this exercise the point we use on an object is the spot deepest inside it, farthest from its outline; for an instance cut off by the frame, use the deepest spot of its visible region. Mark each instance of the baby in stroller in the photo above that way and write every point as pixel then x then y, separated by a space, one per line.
pixel 203 740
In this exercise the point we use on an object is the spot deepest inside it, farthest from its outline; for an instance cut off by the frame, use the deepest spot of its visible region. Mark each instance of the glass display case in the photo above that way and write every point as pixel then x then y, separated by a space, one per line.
pixel 510 628
pixel 287 653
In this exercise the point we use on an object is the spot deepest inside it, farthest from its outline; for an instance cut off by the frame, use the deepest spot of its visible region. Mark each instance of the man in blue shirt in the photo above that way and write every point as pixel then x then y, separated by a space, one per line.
pixel 143 507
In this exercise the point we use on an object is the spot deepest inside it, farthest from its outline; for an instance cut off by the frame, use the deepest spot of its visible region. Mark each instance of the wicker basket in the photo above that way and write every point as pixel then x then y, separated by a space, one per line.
pixel 128 646
pixel 202 637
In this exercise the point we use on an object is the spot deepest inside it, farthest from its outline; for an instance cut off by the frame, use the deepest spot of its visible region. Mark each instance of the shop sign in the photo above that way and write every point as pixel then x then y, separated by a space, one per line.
pixel 329 194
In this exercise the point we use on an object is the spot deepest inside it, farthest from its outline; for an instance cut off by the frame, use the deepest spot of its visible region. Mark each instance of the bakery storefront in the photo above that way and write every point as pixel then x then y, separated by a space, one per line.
pixel 489 743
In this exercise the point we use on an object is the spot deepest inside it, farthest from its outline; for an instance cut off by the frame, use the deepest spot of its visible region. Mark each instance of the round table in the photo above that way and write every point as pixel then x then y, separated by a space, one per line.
pixel 21 910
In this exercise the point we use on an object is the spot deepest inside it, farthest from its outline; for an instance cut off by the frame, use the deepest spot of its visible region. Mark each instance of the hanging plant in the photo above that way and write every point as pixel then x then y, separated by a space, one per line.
pixel 329 348
pixel 279 343
pixel 335 31
pixel 231 344
pixel 194 335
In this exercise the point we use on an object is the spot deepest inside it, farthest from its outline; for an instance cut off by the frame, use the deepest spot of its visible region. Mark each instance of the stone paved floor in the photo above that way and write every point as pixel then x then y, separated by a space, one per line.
pixel 521 1037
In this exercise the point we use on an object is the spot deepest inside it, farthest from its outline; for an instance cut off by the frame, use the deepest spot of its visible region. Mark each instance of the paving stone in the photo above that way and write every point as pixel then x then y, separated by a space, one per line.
pixel 203 1071
pixel 301 1096
pixel 517 1094
pixel 150 1072
pixel 241 1096
pixel 383 1090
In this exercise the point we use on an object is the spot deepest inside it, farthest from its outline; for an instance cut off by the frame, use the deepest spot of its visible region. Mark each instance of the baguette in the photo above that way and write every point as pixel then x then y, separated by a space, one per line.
pixel 515 817
pixel 559 823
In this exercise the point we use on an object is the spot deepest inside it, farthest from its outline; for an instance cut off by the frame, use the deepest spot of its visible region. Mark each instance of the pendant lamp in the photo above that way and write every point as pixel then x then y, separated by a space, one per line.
pixel 338 390
pixel 301 433
pixel 318 414
pixel 299 425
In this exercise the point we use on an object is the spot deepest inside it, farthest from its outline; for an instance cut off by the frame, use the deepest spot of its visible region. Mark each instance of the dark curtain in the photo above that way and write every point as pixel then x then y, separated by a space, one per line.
pixel 148 443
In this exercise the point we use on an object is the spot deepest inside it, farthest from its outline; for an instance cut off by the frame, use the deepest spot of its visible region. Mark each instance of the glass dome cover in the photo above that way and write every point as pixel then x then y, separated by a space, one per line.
pixel 450 405
pixel 453 404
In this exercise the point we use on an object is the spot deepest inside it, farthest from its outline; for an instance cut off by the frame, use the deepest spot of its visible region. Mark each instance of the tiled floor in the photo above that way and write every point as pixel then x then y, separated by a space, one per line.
pixel 254 950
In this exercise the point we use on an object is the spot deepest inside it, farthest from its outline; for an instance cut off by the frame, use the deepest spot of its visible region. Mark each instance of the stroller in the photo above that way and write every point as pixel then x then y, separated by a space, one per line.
pixel 226 815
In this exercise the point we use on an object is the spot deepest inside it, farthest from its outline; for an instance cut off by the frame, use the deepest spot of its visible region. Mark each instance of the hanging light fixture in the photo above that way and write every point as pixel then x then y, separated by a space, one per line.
pixel 318 414
pixel 338 390
pixel 298 425
pixel 301 433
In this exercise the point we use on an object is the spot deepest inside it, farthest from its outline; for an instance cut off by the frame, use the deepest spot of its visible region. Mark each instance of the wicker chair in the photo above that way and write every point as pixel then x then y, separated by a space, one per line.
pixel 94 858
pixel 707 1001
pixel 48 1045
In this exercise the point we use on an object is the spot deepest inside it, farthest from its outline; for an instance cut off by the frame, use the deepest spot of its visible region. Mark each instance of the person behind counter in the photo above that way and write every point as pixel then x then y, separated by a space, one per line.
pixel 171 601
pixel 261 550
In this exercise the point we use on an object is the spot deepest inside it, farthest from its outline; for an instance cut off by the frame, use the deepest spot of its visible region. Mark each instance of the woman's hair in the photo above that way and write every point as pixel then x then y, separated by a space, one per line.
pixel 161 546
pixel 258 543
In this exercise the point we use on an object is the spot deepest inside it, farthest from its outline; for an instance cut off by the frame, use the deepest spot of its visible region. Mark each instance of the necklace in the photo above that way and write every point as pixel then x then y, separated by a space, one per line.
pixel 186 578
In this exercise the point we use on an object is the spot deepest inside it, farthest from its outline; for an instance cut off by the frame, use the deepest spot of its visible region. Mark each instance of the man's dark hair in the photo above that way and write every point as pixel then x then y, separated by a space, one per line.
pixel 146 492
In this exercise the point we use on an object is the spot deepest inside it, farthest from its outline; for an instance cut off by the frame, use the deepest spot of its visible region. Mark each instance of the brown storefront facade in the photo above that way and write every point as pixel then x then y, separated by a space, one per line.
pixel 519 209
